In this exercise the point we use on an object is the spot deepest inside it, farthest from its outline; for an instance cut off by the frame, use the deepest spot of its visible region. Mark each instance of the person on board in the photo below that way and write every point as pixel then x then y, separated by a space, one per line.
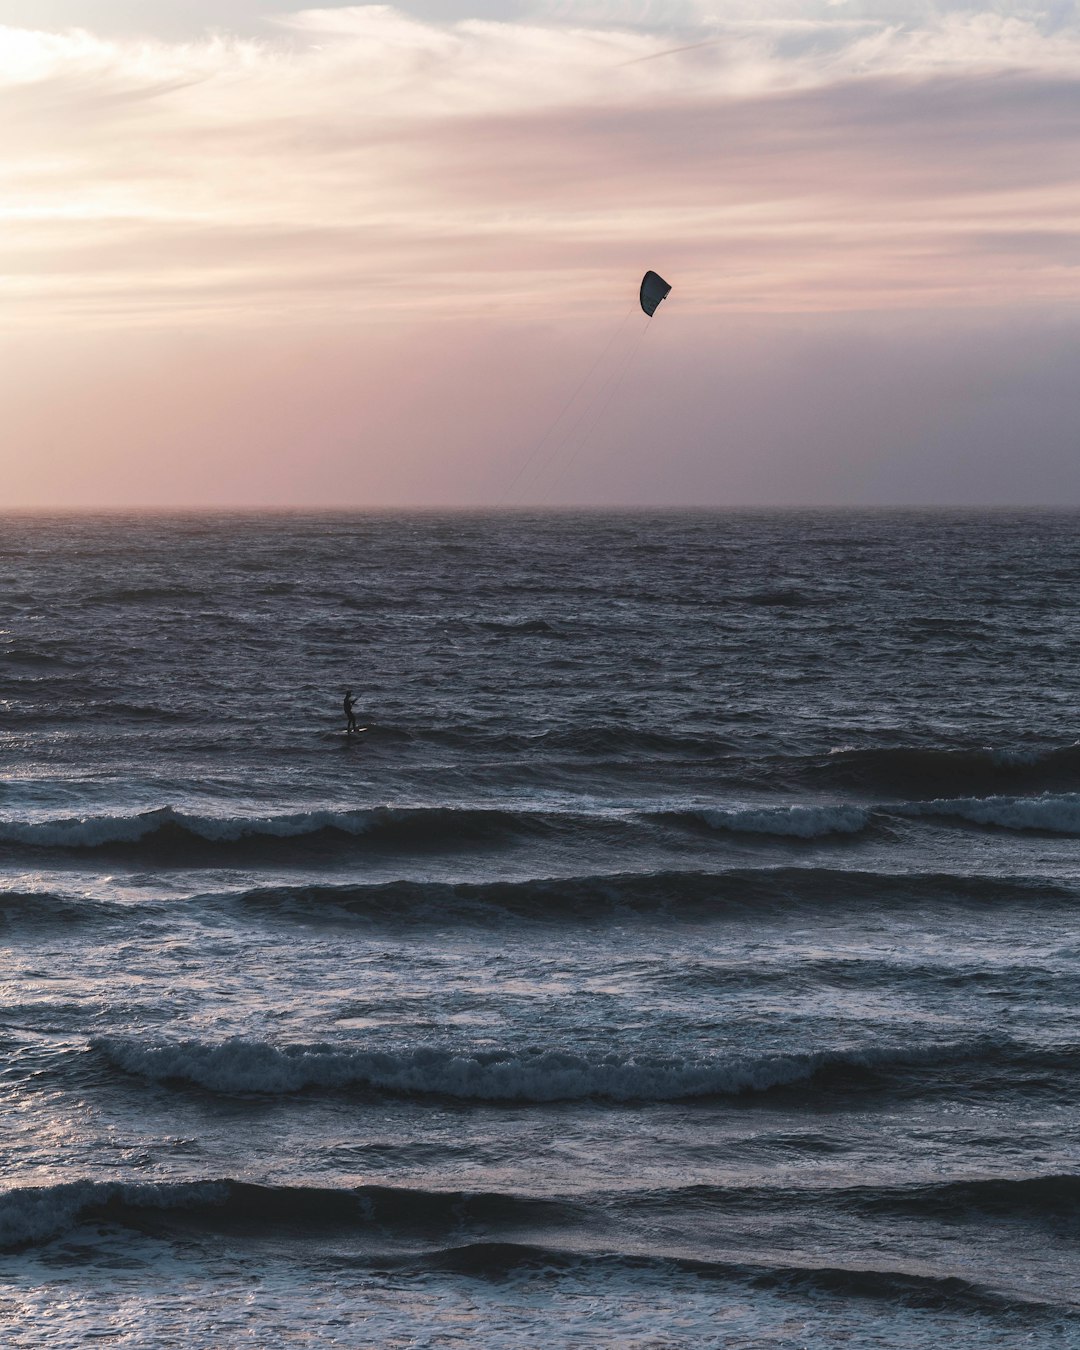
pixel 350 717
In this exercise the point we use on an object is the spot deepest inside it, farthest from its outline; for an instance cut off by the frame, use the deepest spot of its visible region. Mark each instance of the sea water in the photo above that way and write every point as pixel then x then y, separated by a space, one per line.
pixel 686 955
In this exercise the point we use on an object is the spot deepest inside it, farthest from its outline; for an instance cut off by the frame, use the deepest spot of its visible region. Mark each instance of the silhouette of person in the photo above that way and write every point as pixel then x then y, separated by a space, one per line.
pixel 350 718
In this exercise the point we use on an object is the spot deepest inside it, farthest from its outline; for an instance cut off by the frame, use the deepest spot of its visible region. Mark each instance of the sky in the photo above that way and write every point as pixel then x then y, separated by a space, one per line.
pixel 255 255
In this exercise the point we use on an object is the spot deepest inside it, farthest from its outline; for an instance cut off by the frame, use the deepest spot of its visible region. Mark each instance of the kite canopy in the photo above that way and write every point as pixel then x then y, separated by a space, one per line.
pixel 653 289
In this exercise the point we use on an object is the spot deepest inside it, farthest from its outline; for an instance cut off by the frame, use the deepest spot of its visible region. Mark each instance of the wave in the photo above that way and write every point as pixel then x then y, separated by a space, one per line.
pixel 416 826
pixel 1050 814
pixel 35 1214
pixel 1047 1198
pixel 34 908
pixel 670 895
pixel 901 771
pixel 923 772
pixel 791 822
pixel 1040 1197
pixel 480 1233
pixel 917 1290
pixel 522 1076
pixel 166 830
pixel 539 900
pixel 667 896
pixel 800 976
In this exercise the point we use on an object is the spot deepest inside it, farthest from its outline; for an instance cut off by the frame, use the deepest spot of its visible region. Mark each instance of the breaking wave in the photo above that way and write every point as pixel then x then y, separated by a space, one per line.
pixel 541 1075
pixel 169 831
pixel 165 827
pixel 1048 813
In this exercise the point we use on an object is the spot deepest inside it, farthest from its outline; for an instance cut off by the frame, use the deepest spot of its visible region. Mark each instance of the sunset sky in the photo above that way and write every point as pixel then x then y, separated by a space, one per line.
pixel 365 255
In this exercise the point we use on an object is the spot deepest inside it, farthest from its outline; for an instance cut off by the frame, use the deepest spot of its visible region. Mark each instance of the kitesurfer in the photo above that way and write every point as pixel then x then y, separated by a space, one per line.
pixel 350 718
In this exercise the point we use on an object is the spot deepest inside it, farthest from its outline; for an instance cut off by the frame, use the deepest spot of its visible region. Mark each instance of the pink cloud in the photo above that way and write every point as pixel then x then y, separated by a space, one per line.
pixel 362 262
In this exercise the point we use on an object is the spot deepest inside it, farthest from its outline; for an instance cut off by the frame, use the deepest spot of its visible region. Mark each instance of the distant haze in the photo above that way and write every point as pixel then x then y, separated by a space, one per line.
pixel 387 256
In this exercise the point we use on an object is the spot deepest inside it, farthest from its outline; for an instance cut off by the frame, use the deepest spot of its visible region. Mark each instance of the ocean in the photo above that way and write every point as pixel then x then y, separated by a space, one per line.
pixel 685 956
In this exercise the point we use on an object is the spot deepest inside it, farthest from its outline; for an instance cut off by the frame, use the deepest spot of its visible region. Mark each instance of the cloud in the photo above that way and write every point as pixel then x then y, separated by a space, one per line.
pixel 359 254
pixel 796 158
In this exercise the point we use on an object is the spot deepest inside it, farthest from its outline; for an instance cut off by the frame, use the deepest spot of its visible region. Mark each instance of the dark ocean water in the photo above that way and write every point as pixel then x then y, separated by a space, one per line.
pixel 686 956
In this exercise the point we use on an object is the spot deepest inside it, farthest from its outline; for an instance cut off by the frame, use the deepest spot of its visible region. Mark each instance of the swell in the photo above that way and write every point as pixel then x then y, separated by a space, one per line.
pixel 464 1232
pixel 1041 1197
pixel 673 895
pixel 543 1075
pixel 793 978
pixel 927 772
pixel 787 822
pixel 666 896
pixel 170 832
pixel 39 1213
pixel 915 772
pixel 499 1259
pixel 50 908
pixel 176 834
pixel 166 832
pixel 1048 813
pixel 1053 1199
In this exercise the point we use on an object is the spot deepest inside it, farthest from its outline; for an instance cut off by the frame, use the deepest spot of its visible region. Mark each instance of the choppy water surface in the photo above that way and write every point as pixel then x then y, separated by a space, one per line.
pixel 686 956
